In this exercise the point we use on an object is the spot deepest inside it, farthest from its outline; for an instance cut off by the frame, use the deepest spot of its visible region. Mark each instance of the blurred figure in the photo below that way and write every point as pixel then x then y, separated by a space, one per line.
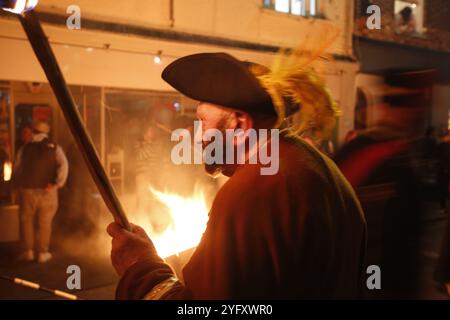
pixel 148 170
pixel 377 162
pixel 442 274
pixel 429 143
pixel 352 134
pixel 40 170
pixel 428 164
pixel 405 22
pixel 25 136
pixel 443 172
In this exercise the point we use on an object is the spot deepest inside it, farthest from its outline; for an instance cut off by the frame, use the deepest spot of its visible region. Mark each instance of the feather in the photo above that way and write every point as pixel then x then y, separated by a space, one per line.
pixel 293 77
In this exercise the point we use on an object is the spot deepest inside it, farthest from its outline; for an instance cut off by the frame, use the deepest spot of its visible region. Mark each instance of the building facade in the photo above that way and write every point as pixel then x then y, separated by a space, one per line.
pixel 112 54
pixel 422 43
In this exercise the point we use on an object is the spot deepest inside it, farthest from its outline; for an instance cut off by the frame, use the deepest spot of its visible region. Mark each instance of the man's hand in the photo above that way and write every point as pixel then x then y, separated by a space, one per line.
pixel 129 247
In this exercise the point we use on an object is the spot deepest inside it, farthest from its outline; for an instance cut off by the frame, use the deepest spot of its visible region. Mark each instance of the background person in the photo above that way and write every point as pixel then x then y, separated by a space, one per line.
pixel 41 168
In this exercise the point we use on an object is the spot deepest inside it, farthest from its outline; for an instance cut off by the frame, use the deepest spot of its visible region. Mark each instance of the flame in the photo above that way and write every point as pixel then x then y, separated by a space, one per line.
pixel 189 217
pixel 7 171
pixel 23 5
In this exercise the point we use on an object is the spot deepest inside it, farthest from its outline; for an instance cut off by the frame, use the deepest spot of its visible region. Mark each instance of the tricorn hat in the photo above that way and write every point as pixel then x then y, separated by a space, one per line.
pixel 221 79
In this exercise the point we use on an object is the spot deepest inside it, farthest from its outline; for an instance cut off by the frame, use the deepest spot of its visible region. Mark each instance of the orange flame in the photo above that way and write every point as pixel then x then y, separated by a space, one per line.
pixel 189 217
pixel 7 171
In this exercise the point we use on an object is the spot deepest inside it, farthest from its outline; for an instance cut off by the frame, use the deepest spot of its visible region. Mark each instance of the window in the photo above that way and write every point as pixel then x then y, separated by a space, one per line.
pixel 298 7
pixel 409 16
pixel 282 6
pixel 294 7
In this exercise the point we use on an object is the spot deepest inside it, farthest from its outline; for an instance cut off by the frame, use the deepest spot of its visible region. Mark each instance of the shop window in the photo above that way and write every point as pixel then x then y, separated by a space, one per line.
pixel 5 147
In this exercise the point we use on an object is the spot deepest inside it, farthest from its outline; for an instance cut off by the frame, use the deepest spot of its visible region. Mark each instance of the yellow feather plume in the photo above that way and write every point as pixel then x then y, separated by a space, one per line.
pixel 293 78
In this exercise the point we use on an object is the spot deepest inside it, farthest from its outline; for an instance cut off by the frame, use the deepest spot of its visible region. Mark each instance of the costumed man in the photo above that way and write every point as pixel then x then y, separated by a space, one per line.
pixel 40 169
pixel 298 233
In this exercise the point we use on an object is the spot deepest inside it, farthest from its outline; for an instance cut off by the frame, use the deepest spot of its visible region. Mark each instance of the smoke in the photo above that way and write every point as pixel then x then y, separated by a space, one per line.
pixel 83 216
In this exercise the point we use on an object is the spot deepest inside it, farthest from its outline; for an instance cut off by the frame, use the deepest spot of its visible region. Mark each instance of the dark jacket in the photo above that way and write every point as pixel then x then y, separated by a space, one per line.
pixel 299 234
pixel 38 165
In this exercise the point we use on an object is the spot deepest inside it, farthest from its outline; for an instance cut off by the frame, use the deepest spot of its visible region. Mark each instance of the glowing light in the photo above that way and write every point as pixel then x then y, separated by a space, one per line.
pixel 7 171
pixel 19 7
pixel 297 7
pixel 189 217
pixel 157 58
pixel 31 4
pixel 312 7
pixel 23 5
pixel 282 6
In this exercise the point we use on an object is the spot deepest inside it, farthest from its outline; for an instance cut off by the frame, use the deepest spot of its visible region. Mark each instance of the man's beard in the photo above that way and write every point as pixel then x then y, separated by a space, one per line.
pixel 215 169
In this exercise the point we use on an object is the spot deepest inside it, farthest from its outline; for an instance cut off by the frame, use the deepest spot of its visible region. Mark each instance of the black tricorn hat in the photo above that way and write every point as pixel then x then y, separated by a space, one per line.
pixel 221 79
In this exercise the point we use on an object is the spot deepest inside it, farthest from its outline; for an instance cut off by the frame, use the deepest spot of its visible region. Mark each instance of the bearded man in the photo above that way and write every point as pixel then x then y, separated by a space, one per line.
pixel 298 233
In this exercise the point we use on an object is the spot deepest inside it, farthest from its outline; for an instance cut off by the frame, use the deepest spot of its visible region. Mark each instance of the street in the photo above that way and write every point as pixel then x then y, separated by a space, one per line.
pixel 98 278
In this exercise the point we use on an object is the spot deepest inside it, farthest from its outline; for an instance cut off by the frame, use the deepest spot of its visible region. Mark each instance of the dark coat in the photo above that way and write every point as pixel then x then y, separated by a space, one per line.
pixel 299 234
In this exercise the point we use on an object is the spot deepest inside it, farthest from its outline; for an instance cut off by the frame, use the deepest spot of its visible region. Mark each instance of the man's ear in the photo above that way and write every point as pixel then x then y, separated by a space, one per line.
pixel 244 120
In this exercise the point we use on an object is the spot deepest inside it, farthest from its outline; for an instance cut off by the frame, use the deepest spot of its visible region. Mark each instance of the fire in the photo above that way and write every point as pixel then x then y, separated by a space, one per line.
pixel 7 171
pixel 189 217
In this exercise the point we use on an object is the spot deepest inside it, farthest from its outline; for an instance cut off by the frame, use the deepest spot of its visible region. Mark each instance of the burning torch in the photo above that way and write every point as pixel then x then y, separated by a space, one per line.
pixel 38 40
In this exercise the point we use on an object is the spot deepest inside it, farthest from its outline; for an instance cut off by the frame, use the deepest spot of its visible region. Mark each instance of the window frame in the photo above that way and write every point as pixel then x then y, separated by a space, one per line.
pixel 421 31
